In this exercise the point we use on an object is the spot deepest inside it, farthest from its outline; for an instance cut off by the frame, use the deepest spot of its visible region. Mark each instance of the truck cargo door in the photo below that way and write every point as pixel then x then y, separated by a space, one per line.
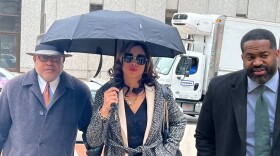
pixel 189 87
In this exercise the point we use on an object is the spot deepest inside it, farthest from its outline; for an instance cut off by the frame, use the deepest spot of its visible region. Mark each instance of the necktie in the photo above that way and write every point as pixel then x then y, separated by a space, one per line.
pixel 262 126
pixel 47 95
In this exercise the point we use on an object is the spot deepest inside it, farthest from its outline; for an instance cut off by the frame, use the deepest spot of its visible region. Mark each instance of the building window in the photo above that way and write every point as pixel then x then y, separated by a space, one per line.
pixel 9 34
pixel 95 7
pixel 9 23
pixel 8 51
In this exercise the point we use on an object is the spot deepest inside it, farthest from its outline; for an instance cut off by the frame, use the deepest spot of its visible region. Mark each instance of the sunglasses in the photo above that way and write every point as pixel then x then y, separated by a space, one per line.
pixel 45 58
pixel 140 59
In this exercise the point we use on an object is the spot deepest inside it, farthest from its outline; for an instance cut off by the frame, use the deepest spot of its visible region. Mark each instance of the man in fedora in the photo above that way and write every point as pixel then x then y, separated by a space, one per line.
pixel 40 111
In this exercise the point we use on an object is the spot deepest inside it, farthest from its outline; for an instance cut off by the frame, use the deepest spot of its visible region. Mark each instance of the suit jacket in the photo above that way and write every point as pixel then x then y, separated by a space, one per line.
pixel 28 128
pixel 221 127
pixel 113 132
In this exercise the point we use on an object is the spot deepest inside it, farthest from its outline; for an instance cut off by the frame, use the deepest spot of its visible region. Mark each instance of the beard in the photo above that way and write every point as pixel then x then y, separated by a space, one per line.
pixel 270 71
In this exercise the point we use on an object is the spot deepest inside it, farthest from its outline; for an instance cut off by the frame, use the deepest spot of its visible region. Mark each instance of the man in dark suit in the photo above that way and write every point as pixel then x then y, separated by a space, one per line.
pixel 41 110
pixel 226 125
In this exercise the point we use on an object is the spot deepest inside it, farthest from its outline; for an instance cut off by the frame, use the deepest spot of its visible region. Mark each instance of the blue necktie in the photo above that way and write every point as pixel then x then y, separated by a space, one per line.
pixel 262 126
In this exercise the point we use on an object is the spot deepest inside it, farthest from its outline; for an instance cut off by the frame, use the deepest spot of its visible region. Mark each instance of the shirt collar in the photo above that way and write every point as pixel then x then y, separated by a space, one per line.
pixel 53 84
pixel 272 84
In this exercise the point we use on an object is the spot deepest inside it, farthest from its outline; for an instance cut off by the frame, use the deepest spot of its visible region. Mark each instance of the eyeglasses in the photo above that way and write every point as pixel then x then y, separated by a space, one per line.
pixel 53 58
pixel 140 59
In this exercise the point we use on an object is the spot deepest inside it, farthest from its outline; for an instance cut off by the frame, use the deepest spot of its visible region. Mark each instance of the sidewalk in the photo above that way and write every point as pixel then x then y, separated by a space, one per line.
pixel 187 145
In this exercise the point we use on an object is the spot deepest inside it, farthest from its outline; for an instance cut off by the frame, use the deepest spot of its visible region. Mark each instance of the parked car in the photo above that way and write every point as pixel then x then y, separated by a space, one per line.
pixel 5 76
pixel 94 84
pixel 7 61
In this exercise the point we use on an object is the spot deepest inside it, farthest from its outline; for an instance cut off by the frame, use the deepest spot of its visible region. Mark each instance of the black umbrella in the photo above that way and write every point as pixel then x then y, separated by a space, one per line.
pixel 104 32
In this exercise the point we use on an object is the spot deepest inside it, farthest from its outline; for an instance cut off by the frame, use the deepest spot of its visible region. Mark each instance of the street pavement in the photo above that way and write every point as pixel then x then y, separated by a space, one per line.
pixel 187 145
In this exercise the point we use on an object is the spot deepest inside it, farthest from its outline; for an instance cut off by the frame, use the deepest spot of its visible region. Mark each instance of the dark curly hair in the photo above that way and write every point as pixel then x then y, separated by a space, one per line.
pixel 148 77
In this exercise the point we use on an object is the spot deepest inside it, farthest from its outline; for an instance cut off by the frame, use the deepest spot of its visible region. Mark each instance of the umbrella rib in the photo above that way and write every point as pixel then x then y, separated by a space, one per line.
pixel 74 34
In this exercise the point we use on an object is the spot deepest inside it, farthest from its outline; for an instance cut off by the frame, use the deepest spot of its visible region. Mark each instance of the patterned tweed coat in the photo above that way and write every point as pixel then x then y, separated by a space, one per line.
pixel 113 132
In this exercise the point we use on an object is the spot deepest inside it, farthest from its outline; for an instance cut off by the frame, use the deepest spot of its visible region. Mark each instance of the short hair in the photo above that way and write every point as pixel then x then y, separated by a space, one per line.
pixel 259 34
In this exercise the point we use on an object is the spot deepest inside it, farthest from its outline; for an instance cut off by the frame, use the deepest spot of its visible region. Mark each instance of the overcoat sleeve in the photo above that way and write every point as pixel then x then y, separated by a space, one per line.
pixel 177 124
pixel 5 117
pixel 205 132
pixel 84 100
pixel 97 130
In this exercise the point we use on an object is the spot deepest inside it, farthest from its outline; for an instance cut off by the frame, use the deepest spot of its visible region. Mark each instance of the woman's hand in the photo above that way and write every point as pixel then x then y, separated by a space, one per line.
pixel 110 97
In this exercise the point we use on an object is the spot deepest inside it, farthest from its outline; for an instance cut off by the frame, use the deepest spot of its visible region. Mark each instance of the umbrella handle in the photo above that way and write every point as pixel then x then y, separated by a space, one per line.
pixel 99 51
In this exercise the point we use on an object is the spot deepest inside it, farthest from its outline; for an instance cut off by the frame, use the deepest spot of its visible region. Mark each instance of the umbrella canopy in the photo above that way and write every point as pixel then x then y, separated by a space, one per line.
pixel 106 31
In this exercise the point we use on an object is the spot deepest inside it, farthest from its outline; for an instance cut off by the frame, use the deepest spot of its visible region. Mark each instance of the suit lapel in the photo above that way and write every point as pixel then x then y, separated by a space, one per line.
pixel 32 79
pixel 60 90
pixel 155 112
pixel 122 117
pixel 150 97
pixel 276 129
pixel 35 89
pixel 64 83
pixel 239 101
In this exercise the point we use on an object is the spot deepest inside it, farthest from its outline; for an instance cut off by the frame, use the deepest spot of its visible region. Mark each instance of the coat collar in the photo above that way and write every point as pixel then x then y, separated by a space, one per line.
pixel 31 80
pixel 276 129
pixel 150 97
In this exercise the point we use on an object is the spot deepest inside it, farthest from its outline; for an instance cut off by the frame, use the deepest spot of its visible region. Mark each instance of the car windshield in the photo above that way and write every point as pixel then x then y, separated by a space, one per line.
pixel 163 64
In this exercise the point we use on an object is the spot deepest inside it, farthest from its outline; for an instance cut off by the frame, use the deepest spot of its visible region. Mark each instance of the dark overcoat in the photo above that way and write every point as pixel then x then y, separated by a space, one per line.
pixel 27 128
pixel 221 127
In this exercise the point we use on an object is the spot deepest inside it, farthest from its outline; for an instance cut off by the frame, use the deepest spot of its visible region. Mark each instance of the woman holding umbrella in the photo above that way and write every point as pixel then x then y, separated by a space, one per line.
pixel 128 112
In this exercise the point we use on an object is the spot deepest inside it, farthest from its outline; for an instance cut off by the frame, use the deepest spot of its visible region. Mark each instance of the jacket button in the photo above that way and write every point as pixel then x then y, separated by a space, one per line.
pixel 41 143
pixel 41 113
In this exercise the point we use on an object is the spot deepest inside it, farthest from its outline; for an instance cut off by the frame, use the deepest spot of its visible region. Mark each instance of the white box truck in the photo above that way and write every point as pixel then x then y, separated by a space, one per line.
pixel 212 42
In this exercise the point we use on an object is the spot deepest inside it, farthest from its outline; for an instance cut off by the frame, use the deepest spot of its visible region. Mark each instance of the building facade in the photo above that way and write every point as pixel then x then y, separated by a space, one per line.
pixel 21 21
